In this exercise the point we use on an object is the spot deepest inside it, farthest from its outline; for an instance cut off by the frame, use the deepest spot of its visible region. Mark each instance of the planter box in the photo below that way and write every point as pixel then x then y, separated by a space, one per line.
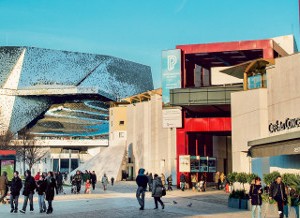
pixel 234 203
pixel 244 204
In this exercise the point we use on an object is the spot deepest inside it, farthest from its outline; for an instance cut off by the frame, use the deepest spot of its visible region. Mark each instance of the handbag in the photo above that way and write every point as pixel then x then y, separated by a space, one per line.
pixel 163 191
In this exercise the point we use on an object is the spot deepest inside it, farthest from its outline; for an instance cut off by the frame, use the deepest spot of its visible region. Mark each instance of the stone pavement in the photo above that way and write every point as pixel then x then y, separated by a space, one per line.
pixel 120 201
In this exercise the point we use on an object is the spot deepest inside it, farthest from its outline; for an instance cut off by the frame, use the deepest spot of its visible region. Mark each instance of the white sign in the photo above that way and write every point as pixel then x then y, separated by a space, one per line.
pixel 172 118
pixel 184 164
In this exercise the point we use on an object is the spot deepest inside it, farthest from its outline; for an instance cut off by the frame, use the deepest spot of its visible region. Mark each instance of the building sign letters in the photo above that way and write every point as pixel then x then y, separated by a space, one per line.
pixel 289 123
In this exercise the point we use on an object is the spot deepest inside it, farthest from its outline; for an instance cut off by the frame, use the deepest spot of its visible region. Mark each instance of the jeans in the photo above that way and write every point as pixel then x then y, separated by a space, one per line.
pixel 14 201
pixel 42 203
pixel 26 198
pixel 280 205
pixel 182 185
pixel 157 199
pixel 93 185
pixel 50 208
pixel 254 207
pixel 140 195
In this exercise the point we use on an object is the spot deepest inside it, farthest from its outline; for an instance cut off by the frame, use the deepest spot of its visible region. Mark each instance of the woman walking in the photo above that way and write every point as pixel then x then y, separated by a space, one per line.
pixel 104 181
pixel 51 185
pixel 255 196
pixel 157 188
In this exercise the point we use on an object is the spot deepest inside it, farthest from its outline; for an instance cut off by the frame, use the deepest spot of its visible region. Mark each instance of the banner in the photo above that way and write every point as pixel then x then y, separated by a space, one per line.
pixel 8 167
pixel 184 164
pixel 171 72
pixel 172 118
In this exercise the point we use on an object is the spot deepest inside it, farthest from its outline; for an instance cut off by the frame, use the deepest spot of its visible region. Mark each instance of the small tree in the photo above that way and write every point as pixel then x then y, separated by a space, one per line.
pixel 242 178
pixel 270 177
pixel 232 177
pixel 251 177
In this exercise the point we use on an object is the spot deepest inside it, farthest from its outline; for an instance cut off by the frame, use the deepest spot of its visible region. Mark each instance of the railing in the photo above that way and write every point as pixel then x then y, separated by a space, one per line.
pixel 212 95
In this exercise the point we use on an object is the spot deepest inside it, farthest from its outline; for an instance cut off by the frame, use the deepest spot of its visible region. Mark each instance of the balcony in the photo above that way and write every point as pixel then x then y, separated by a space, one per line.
pixel 213 95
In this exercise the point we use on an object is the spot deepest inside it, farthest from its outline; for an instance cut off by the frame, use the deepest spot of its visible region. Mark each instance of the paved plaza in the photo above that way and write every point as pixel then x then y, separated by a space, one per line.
pixel 120 201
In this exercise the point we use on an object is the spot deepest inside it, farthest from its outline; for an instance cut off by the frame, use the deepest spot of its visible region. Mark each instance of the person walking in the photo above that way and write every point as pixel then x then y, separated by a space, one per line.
pixel 15 188
pixel 3 186
pixel 255 197
pixel 77 179
pixel 28 191
pixel 141 181
pixel 163 179
pixel 182 182
pixel 170 181
pixel 59 181
pixel 87 187
pixel 194 181
pixel 150 182
pixel 222 180
pixel 93 179
pixel 112 181
pixel 104 182
pixel 157 191
pixel 41 189
pixel 51 187
pixel 217 180
pixel 277 192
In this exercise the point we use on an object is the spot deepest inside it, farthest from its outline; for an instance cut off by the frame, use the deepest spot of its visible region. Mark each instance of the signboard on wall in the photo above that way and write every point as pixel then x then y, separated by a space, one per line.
pixel 171 72
pixel 172 118
pixel 8 166
pixel 184 164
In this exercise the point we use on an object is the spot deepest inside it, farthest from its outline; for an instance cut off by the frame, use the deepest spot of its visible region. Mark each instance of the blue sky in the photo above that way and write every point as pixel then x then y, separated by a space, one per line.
pixel 139 30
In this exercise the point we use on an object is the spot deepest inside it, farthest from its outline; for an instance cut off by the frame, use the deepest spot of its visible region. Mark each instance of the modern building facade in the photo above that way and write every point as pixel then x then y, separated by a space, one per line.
pixel 60 98
pixel 267 124
pixel 205 95
pixel 146 144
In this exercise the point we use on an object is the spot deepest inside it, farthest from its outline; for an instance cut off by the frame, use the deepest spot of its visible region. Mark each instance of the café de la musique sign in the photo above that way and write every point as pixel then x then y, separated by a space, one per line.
pixel 289 123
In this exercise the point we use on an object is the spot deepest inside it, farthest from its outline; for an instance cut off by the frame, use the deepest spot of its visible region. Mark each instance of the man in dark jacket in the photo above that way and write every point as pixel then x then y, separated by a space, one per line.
pixel 277 192
pixel 182 181
pixel 28 191
pixel 15 187
pixel 93 179
pixel 141 181
pixel 78 178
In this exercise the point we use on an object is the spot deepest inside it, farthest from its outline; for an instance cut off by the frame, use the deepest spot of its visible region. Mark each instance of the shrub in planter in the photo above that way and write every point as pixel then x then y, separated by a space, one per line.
pixel 251 177
pixel 238 199
pixel 270 177
pixel 232 177
pixel 242 178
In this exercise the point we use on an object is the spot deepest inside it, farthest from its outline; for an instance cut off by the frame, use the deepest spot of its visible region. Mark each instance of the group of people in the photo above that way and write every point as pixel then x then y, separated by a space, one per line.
pixel 199 185
pixel 45 187
pixel 277 191
pixel 156 187
pixel 88 179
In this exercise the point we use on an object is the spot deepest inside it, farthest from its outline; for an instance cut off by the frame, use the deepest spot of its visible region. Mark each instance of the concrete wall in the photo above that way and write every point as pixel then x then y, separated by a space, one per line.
pixel 219 78
pixel 249 111
pixel 220 144
pixel 154 148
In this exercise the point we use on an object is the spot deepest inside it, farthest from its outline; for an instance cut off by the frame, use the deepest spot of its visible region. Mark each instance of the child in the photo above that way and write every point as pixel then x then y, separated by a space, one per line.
pixel 87 187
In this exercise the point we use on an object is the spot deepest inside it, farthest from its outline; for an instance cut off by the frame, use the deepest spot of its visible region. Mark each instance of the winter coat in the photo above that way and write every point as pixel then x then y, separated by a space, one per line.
pixel 59 179
pixel 41 187
pixel 16 186
pixel 274 190
pixel 170 180
pixel 157 187
pixel 182 178
pixel 104 180
pixel 93 178
pixel 3 182
pixel 163 179
pixel 77 178
pixel 142 181
pixel 29 186
pixel 255 197
pixel 51 185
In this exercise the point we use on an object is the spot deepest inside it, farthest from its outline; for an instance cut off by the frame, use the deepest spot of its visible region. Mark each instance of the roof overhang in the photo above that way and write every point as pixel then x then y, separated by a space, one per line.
pixel 285 144
pixel 239 70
